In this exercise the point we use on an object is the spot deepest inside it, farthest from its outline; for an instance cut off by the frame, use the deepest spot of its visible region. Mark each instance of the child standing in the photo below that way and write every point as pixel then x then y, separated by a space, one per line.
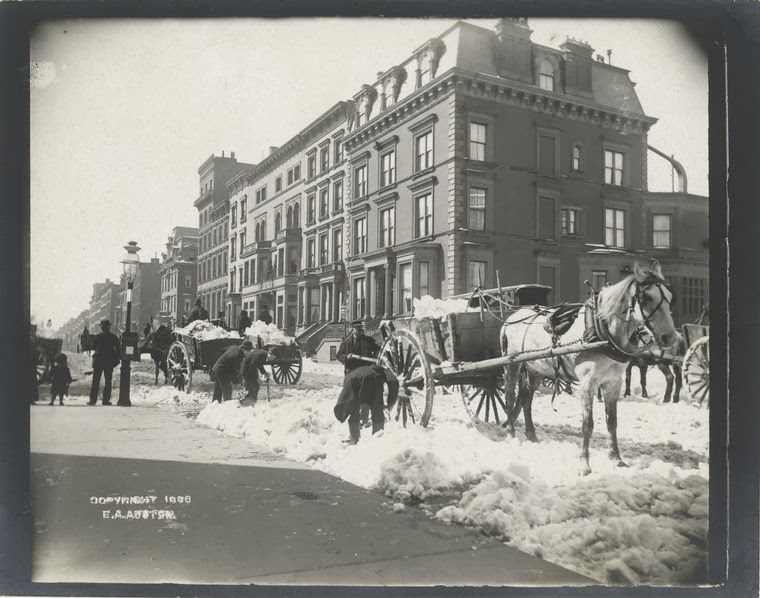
pixel 60 377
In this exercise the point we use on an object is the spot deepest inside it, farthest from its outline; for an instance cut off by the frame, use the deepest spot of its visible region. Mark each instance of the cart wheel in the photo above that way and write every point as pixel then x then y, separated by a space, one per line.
pixel 179 366
pixel 43 365
pixel 696 370
pixel 402 353
pixel 288 370
pixel 485 401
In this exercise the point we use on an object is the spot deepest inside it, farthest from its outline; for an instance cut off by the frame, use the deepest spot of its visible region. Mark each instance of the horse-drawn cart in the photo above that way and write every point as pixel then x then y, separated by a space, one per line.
pixel 696 362
pixel 47 349
pixel 188 354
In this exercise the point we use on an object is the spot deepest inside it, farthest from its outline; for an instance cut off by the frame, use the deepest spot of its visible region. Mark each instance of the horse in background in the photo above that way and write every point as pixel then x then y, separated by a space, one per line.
pixel 621 314
pixel 670 368
pixel 157 345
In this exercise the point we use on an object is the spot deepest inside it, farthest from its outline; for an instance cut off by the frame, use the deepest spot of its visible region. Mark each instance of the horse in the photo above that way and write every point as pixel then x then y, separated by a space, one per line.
pixel 157 345
pixel 670 368
pixel 622 314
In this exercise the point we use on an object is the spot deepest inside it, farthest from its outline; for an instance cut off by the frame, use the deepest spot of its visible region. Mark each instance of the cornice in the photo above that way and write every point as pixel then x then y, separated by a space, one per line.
pixel 363 208
pixel 423 123
pixel 429 181
pixel 385 143
pixel 386 199
pixel 359 157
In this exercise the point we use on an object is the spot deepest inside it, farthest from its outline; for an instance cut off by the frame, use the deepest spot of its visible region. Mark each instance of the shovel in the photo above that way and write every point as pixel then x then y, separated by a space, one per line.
pixel 269 396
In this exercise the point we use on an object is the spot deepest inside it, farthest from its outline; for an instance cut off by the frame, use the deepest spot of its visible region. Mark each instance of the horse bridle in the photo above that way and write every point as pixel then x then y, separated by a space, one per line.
pixel 640 291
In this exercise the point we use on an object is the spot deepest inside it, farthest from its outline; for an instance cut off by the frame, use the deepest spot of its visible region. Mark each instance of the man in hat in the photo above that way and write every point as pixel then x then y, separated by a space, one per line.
pixel 253 365
pixel 264 315
pixel 357 343
pixel 106 356
pixel 226 370
pixel 364 386
pixel 198 312
pixel 244 323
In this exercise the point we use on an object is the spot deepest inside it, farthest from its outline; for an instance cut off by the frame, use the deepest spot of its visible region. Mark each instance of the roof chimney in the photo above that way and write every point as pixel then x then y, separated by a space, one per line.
pixel 222 153
pixel 273 149
pixel 232 155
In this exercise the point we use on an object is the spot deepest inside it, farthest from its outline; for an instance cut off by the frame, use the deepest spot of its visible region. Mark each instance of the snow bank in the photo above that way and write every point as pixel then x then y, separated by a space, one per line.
pixel 269 333
pixel 428 307
pixel 204 330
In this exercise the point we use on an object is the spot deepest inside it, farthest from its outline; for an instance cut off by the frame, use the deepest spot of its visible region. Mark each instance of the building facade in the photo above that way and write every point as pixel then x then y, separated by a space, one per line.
pixel 72 329
pixel 146 294
pixel 104 305
pixel 179 271
pixel 213 229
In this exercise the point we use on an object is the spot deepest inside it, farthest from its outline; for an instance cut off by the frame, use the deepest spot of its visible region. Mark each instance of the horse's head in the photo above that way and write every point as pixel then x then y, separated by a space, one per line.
pixel 651 299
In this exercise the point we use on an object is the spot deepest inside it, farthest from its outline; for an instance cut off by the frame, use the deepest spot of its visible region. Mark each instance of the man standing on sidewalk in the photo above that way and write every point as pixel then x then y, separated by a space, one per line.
pixel 364 386
pixel 227 368
pixel 357 343
pixel 104 359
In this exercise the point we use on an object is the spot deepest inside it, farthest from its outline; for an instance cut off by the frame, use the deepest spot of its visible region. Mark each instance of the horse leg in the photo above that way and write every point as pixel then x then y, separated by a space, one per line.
pixel 587 392
pixel 628 379
pixel 611 394
pixel 679 381
pixel 525 398
pixel 511 375
pixel 643 371
pixel 665 369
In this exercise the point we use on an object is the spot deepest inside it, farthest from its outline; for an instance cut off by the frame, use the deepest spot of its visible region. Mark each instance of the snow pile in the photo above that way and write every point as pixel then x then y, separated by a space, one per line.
pixel 205 330
pixel 428 307
pixel 646 523
pixel 269 333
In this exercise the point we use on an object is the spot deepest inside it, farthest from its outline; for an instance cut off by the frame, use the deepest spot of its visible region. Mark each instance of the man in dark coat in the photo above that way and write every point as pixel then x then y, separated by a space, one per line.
pixel 250 368
pixel 264 315
pixel 85 341
pixel 33 357
pixel 106 356
pixel 198 312
pixel 244 323
pixel 364 386
pixel 226 370
pixel 357 343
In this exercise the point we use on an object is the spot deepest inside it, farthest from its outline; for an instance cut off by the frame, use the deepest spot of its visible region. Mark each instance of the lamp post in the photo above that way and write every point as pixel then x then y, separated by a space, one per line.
pixel 130 263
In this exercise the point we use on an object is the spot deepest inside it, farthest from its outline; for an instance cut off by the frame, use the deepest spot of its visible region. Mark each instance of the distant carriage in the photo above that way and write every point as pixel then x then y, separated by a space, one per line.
pixel 696 362
pixel 188 354
pixel 46 350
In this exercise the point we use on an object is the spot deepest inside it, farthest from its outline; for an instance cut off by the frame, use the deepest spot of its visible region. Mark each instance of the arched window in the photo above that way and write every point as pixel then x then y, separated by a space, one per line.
pixel 577 163
pixel 277 223
pixel 289 217
pixel 546 76
pixel 257 234
pixel 296 216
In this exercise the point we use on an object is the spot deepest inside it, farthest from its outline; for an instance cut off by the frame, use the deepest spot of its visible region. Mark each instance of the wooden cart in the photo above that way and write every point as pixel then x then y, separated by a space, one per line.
pixel 47 349
pixel 696 362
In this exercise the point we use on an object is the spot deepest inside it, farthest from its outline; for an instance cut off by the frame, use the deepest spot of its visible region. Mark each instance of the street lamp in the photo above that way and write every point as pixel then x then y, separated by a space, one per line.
pixel 130 264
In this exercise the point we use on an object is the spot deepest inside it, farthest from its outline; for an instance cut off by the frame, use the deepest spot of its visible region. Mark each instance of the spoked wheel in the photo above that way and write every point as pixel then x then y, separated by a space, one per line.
pixel 288 370
pixel 402 353
pixel 696 370
pixel 485 402
pixel 179 367
pixel 43 366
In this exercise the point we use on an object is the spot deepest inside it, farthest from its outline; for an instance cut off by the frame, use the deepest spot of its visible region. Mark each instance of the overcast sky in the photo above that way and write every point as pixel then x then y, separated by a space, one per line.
pixel 124 112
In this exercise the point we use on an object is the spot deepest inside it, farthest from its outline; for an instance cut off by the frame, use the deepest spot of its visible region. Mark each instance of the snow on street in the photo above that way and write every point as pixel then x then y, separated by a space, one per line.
pixel 646 523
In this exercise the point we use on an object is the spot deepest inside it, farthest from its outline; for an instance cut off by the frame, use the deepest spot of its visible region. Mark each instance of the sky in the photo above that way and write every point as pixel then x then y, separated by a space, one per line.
pixel 123 112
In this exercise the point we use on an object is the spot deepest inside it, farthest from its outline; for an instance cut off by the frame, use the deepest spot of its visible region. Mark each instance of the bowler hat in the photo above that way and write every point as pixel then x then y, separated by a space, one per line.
pixel 105 323
pixel 247 345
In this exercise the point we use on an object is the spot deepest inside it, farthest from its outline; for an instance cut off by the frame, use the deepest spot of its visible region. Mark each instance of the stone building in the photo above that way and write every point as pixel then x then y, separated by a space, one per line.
pixel 179 272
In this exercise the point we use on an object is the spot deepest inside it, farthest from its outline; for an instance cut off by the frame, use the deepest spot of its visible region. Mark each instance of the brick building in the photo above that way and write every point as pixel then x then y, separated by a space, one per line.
pixel 179 272
pixel 104 305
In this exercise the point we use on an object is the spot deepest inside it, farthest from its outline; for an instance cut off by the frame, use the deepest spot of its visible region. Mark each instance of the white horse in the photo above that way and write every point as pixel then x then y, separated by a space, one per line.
pixel 637 305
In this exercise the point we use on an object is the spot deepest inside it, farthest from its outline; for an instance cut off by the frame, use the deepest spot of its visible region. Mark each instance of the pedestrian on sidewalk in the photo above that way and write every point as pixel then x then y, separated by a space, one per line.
pixel 250 368
pixel 227 368
pixel 60 378
pixel 104 359
pixel 364 385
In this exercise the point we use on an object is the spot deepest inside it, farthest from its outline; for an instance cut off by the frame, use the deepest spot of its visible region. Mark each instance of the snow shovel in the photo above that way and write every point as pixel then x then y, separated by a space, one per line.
pixel 269 396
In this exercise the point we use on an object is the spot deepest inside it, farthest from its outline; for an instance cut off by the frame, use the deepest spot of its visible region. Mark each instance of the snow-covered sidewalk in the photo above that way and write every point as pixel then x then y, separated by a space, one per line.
pixel 646 523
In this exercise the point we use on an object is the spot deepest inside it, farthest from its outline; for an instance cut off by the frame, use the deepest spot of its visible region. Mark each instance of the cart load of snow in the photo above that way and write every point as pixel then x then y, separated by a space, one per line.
pixel 205 331
pixel 268 333
pixel 428 307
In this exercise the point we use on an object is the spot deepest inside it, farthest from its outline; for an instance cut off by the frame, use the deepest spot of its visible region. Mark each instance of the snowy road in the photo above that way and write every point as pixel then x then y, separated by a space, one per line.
pixel 643 524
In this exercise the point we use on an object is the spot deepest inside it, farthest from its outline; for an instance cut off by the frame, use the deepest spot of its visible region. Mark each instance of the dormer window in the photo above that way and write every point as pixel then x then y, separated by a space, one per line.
pixel 428 58
pixel 546 76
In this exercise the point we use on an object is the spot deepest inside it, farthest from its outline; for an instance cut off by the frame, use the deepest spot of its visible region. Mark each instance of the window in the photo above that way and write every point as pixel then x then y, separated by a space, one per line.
pixel 289 217
pixel 257 235
pixel 243 209
pixel 614 228
pixel 233 215
pixel 423 151
pixel 388 227
pixel 423 218
pixel 476 274
pixel 598 279
pixel 337 240
pixel 333 353
pixel 213 233
pixel 661 227
pixel 297 172
pixel 225 259
pixel 406 288
pixel 242 239
pixel 477 141
pixel 338 152
pixel 388 168
pixel 692 295
pixel 311 209
pixel 360 235
pixel 577 158
pixel 187 305
pixel 359 299
pixel 476 216
pixel 613 167
pixel 290 177
pixel 546 76
pixel 324 159
pixel 280 261
pixel 311 166
pixel 277 222
pixel 247 273
pixel 360 176
pixel 338 196
pixel 310 253
pixel 233 246
pixel 278 184
pixel 296 216
pixel 570 221
pixel 188 280
pixel 424 278
pixel 323 249
pixel 324 203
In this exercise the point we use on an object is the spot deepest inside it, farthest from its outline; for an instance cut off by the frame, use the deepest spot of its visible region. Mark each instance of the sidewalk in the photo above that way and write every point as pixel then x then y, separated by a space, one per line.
pixel 252 517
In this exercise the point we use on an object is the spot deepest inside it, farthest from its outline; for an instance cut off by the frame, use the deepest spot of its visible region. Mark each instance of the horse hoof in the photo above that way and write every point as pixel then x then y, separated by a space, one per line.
pixel 585 471
pixel 622 463
pixel 531 438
